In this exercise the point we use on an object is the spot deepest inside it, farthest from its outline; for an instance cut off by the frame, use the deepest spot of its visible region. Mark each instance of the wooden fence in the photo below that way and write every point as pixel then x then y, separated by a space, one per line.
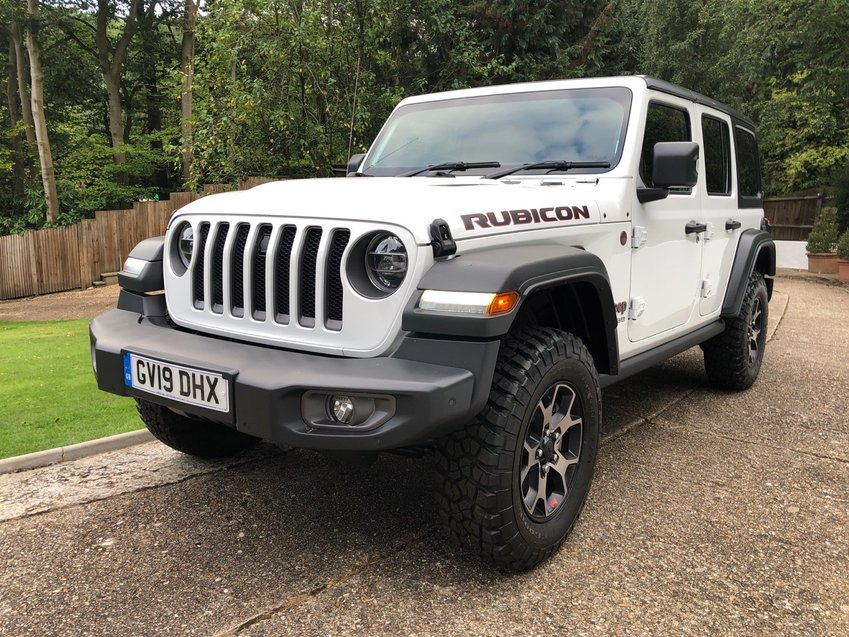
pixel 58 259
pixel 793 215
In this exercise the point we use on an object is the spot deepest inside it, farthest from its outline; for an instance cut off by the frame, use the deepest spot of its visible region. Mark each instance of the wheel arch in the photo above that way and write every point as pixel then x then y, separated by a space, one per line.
pixel 755 252
pixel 551 280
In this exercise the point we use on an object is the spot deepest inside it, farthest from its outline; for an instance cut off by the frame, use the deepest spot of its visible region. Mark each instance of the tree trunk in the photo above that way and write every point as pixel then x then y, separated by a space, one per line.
pixel 48 177
pixel 116 121
pixel 19 170
pixel 187 62
pixel 23 91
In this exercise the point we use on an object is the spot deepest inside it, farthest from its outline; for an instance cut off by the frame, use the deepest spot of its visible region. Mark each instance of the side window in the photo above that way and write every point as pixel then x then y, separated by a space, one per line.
pixel 663 124
pixel 748 167
pixel 717 152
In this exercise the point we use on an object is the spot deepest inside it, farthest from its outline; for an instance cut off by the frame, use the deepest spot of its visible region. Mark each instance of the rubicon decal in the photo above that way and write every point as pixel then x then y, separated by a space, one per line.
pixel 523 216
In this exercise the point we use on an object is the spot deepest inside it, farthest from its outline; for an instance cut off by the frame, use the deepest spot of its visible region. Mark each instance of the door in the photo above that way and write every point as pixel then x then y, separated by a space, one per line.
pixel 665 258
pixel 719 208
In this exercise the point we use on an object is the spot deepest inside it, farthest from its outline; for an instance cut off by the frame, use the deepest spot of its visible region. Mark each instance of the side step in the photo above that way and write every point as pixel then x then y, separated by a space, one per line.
pixel 652 357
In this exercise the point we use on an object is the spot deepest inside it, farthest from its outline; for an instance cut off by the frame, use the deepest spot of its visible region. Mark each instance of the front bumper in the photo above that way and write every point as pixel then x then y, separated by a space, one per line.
pixel 437 385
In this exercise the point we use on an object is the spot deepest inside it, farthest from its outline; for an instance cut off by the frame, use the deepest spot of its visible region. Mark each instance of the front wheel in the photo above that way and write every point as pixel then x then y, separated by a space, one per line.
pixel 200 438
pixel 514 481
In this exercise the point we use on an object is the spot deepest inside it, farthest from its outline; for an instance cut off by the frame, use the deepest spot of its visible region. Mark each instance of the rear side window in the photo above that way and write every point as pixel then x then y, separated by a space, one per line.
pixel 663 124
pixel 717 152
pixel 748 166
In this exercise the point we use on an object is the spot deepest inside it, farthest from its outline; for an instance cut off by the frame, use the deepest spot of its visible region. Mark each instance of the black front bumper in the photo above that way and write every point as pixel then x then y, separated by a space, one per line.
pixel 437 385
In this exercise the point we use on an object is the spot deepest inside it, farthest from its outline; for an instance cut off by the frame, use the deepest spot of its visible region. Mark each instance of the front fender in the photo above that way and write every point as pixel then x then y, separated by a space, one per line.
pixel 523 269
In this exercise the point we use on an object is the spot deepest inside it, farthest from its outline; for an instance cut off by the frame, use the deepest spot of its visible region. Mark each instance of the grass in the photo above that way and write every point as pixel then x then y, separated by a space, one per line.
pixel 48 395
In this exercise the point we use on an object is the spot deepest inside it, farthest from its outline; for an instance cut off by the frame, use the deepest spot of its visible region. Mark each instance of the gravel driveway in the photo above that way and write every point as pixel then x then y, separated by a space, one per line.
pixel 711 514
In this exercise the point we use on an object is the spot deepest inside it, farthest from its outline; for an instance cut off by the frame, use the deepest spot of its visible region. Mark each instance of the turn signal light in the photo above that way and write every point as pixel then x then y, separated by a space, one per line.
pixel 503 303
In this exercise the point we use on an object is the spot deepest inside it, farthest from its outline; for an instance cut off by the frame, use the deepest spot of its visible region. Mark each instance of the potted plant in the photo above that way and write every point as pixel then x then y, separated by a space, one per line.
pixel 843 257
pixel 822 257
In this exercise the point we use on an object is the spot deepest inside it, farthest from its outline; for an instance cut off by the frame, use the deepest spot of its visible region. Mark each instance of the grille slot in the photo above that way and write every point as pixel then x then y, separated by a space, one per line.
pixel 199 256
pixel 261 245
pixel 333 296
pixel 217 278
pixel 237 271
pixel 271 277
pixel 281 273
pixel 309 258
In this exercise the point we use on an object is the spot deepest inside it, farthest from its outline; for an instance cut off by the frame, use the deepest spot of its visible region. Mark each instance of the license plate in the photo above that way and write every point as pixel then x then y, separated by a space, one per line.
pixel 183 384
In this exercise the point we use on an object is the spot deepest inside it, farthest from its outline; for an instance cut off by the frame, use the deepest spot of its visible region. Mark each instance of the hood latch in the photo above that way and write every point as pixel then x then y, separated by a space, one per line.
pixel 442 242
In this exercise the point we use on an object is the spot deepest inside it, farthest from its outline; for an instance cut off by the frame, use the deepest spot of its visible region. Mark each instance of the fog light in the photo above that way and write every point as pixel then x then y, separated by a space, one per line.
pixel 341 409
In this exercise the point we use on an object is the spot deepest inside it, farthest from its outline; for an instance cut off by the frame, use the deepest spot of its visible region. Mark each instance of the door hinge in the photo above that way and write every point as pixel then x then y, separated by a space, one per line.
pixel 639 235
pixel 706 288
pixel 636 308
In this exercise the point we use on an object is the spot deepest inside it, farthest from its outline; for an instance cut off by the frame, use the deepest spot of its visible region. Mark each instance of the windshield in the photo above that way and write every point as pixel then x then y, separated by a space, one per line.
pixel 577 125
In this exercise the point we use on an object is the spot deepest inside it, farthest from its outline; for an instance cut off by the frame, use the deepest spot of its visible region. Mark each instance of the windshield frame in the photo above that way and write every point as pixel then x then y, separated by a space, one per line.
pixel 625 98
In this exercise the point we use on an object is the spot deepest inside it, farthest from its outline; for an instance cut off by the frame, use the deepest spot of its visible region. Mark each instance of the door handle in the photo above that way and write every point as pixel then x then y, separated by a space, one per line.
pixel 695 227
pixel 731 224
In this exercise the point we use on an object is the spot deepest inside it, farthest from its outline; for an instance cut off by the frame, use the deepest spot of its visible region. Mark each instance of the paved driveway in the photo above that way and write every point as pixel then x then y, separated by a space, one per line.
pixel 711 514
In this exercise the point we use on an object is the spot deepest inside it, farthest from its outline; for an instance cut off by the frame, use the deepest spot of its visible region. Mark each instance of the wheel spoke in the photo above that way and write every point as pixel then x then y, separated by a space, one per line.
pixel 563 463
pixel 547 411
pixel 533 464
pixel 531 498
pixel 543 487
pixel 566 422
pixel 569 423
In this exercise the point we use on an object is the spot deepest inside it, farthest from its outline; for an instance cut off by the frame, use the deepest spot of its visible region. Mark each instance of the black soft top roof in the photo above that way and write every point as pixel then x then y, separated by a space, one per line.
pixel 698 98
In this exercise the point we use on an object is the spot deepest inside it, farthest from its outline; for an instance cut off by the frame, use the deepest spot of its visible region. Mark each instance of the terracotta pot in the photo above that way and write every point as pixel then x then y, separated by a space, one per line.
pixel 843 270
pixel 822 262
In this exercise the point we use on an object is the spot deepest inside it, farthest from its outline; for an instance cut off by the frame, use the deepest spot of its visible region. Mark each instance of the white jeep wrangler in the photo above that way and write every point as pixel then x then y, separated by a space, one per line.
pixel 498 257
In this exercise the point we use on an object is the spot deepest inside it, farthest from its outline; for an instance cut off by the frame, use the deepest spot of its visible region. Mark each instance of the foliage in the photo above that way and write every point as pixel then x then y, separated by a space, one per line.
pixel 843 246
pixel 823 235
pixel 839 187
pixel 47 392
pixel 292 87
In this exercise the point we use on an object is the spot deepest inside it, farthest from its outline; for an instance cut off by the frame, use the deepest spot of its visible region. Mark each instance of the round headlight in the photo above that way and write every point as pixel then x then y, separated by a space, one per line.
pixel 386 261
pixel 186 244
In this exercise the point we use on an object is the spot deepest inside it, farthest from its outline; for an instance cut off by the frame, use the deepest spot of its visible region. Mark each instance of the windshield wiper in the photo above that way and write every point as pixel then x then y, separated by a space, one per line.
pixel 550 164
pixel 452 165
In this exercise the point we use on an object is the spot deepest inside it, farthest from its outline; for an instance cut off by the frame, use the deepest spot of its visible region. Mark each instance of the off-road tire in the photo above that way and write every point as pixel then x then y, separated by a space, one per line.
pixel 729 361
pixel 479 467
pixel 199 438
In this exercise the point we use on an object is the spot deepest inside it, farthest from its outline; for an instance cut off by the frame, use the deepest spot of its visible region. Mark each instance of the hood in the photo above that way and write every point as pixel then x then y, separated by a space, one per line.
pixel 471 206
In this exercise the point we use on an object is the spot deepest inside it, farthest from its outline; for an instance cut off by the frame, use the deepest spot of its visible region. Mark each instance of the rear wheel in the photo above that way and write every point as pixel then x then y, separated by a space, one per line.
pixel 733 359
pixel 200 438
pixel 513 482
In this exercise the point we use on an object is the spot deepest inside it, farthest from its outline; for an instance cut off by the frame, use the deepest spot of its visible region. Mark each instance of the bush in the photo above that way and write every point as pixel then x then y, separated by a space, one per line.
pixel 823 235
pixel 839 187
pixel 843 246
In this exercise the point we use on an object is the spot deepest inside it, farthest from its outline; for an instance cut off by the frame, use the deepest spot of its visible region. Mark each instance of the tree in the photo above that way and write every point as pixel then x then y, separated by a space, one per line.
pixel 45 155
pixel 112 58
pixel 187 64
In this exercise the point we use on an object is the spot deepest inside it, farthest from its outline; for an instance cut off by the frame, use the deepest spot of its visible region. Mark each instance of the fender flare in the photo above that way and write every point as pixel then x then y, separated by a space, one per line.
pixel 142 271
pixel 754 247
pixel 522 269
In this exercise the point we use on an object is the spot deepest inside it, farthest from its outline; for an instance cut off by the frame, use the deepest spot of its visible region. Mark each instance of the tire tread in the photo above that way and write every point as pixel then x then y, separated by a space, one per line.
pixel 473 471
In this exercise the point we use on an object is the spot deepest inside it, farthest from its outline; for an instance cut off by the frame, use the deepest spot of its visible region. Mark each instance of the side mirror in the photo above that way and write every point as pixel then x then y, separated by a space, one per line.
pixel 354 163
pixel 675 164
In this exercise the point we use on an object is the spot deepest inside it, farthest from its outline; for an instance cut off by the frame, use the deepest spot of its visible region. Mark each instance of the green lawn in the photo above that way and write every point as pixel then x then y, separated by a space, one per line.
pixel 48 395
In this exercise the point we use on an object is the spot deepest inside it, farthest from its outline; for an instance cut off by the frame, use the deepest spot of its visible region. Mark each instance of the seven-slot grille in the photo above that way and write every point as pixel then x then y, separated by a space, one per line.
pixel 281 273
